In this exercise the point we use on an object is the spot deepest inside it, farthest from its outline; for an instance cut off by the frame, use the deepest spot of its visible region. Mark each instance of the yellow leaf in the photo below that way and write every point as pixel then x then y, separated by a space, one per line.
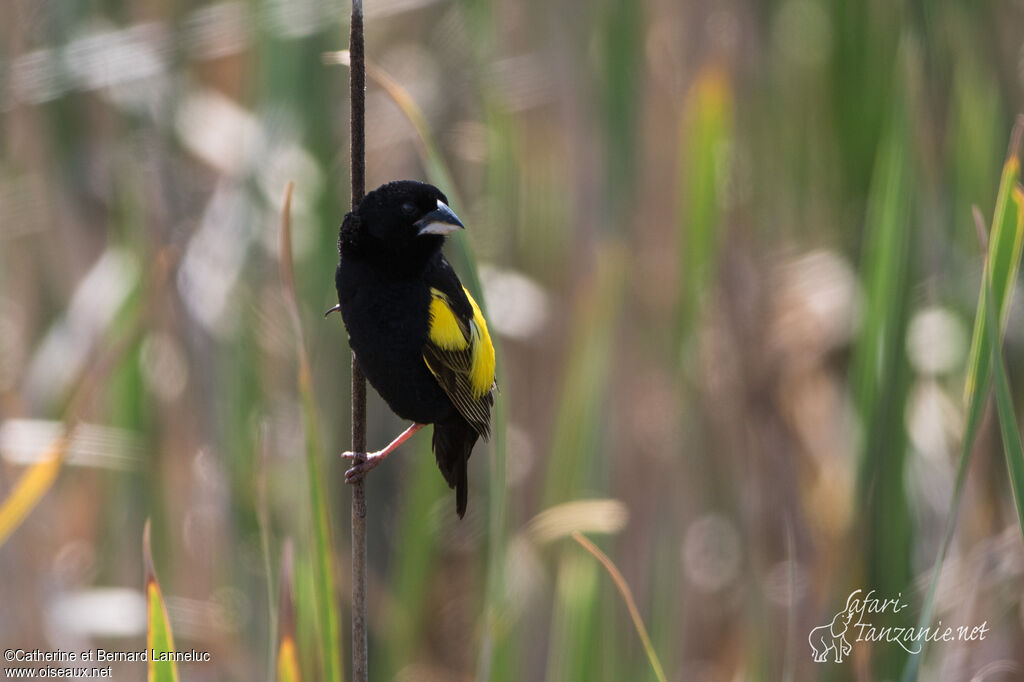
pixel 31 487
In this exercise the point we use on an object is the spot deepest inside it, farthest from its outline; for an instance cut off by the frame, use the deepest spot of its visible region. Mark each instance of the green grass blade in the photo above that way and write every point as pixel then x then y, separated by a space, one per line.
pixel 1004 404
pixel 976 383
pixel 886 252
pixel 495 594
pixel 1004 262
pixel 574 620
pixel 405 615
pixel 263 523
pixel 976 131
pixel 159 639
pixel 323 563
pixel 578 465
pixel 880 372
pixel 619 30
pixel 578 445
pixel 705 138
pixel 627 596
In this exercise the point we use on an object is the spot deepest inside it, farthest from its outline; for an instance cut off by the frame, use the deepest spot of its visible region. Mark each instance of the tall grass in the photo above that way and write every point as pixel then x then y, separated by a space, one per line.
pixel 328 618
pixel 660 173
pixel 880 372
pixel 706 138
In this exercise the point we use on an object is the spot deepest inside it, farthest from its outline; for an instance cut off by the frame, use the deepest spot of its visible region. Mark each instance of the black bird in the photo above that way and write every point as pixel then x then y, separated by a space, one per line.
pixel 417 333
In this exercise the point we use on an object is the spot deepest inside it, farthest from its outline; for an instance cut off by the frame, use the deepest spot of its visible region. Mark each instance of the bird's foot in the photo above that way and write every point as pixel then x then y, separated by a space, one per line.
pixel 364 464
pixel 369 460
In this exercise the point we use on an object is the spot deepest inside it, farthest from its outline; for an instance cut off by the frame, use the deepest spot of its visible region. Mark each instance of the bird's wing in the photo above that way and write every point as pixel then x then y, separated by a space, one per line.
pixel 458 351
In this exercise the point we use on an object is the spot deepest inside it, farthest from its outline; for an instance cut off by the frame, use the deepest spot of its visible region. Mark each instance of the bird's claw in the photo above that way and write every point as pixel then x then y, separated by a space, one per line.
pixel 360 468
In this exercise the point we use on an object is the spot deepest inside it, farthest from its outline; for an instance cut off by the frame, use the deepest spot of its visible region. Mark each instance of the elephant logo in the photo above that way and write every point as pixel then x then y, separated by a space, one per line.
pixel 832 637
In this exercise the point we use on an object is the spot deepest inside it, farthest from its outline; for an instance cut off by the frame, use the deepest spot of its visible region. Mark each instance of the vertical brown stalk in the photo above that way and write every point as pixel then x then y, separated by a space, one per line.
pixel 357 90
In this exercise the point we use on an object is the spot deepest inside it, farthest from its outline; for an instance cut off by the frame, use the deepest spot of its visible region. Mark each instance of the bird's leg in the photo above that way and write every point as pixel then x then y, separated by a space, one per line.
pixel 372 459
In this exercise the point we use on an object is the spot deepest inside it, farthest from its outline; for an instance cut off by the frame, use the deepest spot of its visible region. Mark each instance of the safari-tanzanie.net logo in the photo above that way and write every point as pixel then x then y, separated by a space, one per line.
pixel 831 641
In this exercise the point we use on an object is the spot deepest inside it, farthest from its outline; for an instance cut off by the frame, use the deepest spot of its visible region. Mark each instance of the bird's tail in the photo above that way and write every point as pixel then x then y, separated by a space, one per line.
pixel 453 442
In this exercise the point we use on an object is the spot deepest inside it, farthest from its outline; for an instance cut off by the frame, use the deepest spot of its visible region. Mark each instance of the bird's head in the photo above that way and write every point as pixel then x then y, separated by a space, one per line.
pixel 400 222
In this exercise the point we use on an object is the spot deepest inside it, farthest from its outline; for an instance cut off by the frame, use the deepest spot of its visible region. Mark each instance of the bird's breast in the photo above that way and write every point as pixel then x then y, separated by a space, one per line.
pixel 387 324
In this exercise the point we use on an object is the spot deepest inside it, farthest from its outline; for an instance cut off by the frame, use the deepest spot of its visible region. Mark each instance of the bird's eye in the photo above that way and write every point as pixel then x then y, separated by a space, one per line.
pixel 408 208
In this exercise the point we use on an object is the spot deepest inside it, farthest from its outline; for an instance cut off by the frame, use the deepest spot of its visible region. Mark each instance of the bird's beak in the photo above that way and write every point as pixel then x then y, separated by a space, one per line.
pixel 439 221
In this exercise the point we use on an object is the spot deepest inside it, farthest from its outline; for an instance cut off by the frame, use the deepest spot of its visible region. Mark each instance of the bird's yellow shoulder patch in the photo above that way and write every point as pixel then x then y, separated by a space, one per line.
pixel 481 375
pixel 445 331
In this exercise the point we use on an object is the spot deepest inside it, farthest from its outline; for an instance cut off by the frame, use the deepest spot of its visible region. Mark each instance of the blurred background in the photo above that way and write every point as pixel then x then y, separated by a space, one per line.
pixel 729 262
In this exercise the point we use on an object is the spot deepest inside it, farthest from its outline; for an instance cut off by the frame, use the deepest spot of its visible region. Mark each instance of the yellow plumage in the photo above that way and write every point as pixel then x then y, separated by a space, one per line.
pixel 481 375
pixel 445 329
pixel 449 333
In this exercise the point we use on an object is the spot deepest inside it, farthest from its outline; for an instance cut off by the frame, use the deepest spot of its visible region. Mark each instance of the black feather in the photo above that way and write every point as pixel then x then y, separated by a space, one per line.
pixel 453 443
